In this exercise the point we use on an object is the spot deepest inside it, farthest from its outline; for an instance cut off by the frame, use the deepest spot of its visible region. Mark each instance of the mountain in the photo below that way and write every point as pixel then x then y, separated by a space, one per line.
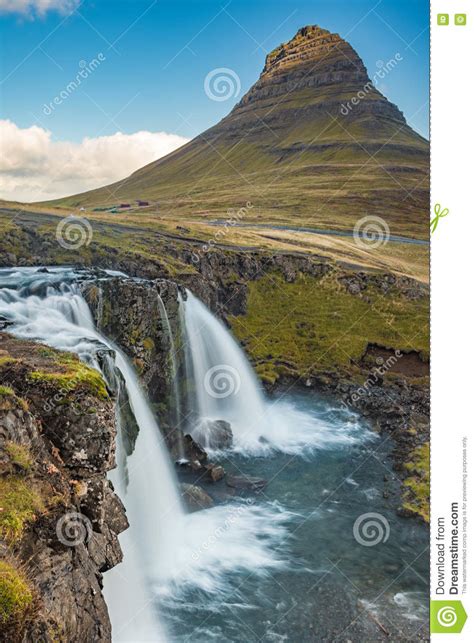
pixel 313 142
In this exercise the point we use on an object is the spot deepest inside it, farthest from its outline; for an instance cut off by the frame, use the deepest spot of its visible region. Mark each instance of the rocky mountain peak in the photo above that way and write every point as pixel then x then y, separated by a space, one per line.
pixel 314 57
pixel 308 45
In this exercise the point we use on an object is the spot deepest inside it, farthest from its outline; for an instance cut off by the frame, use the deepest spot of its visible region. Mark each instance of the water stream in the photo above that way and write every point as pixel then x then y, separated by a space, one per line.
pixel 279 566
pixel 226 388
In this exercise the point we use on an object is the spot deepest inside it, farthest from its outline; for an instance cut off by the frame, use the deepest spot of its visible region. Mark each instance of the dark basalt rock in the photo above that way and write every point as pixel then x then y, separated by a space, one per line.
pixel 248 483
pixel 142 318
pixel 214 434
pixel 215 472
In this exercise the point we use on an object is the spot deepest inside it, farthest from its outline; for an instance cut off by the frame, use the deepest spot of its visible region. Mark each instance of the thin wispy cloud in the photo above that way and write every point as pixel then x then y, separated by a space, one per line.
pixel 32 8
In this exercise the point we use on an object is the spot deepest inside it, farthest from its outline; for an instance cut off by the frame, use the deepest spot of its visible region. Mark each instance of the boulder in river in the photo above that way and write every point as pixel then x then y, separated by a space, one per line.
pixel 214 434
pixel 249 483
pixel 193 452
pixel 195 498
pixel 215 472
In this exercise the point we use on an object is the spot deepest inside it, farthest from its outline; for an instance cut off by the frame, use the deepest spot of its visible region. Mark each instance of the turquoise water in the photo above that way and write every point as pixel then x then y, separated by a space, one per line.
pixel 330 586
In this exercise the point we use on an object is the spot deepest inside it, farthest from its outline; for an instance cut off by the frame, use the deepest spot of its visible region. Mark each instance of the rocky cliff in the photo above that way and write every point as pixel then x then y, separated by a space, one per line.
pixel 378 373
pixel 315 58
pixel 59 516
pixel 142 317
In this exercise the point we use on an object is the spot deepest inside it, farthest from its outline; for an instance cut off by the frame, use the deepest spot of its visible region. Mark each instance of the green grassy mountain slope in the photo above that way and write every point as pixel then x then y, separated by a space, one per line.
pixel 294 150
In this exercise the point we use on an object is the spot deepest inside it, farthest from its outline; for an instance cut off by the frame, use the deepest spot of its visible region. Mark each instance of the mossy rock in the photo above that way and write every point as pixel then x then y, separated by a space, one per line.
pixel 19 455
pixel 149 344
pixel 416 497
pixel 16 595
pixel 9 400
pixel 76 375
pixel 20 502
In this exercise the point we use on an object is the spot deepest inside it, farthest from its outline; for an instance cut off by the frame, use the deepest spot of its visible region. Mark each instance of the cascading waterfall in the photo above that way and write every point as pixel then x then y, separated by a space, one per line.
pixel 167 552
pixel 63 320
pixel 245 567
pixel 228 389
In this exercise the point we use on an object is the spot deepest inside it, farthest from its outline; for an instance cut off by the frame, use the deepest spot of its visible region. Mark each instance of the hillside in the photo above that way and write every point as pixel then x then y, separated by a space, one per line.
pixel 291 150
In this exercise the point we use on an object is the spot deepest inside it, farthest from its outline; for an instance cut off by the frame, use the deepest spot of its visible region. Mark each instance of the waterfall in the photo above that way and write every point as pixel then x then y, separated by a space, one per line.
pixel 149 492
pixel 228 389
pixel 189 389
pixel 171 558
pixel 226 386
pixel 148 489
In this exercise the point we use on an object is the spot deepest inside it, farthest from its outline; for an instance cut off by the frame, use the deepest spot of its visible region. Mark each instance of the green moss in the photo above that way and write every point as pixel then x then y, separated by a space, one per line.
pixel 417 485
pixel 9 400
pixel 313 325
pixel 267 373
pixel 44 351
pixel 19 455
pixel 148 344
pixel 19 504
pixel 4 361
pixel 77 375
pixel 16 595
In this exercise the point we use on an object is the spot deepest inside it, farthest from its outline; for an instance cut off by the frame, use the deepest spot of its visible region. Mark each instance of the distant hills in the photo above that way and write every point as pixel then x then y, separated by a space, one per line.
pixel 312 143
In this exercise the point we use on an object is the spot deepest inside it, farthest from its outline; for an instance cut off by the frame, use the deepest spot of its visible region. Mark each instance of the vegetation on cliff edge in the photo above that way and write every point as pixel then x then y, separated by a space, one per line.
pixel 417 485
pixel 16 596
pixel 314 325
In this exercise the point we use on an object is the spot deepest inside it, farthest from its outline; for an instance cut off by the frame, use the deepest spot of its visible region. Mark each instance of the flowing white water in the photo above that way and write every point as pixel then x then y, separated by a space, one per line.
pixel 62 320
pixel 228 389
pixel 166 551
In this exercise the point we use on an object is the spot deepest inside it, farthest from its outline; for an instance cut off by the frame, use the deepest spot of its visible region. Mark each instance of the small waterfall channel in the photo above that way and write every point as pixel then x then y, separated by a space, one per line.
pixel 225 387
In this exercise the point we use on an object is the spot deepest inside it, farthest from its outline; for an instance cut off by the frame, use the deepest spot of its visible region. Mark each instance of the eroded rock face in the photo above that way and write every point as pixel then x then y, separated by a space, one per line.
pixel 142 317
pixel 314 58
pixel 59 445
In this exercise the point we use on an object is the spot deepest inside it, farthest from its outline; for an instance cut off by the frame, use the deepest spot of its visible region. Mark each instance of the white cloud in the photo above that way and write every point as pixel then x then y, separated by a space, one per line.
pixel 37 7
pixel 33 167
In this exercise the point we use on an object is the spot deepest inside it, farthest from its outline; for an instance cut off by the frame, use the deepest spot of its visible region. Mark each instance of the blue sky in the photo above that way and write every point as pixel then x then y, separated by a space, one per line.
pixel 146 95
pixel 157 55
